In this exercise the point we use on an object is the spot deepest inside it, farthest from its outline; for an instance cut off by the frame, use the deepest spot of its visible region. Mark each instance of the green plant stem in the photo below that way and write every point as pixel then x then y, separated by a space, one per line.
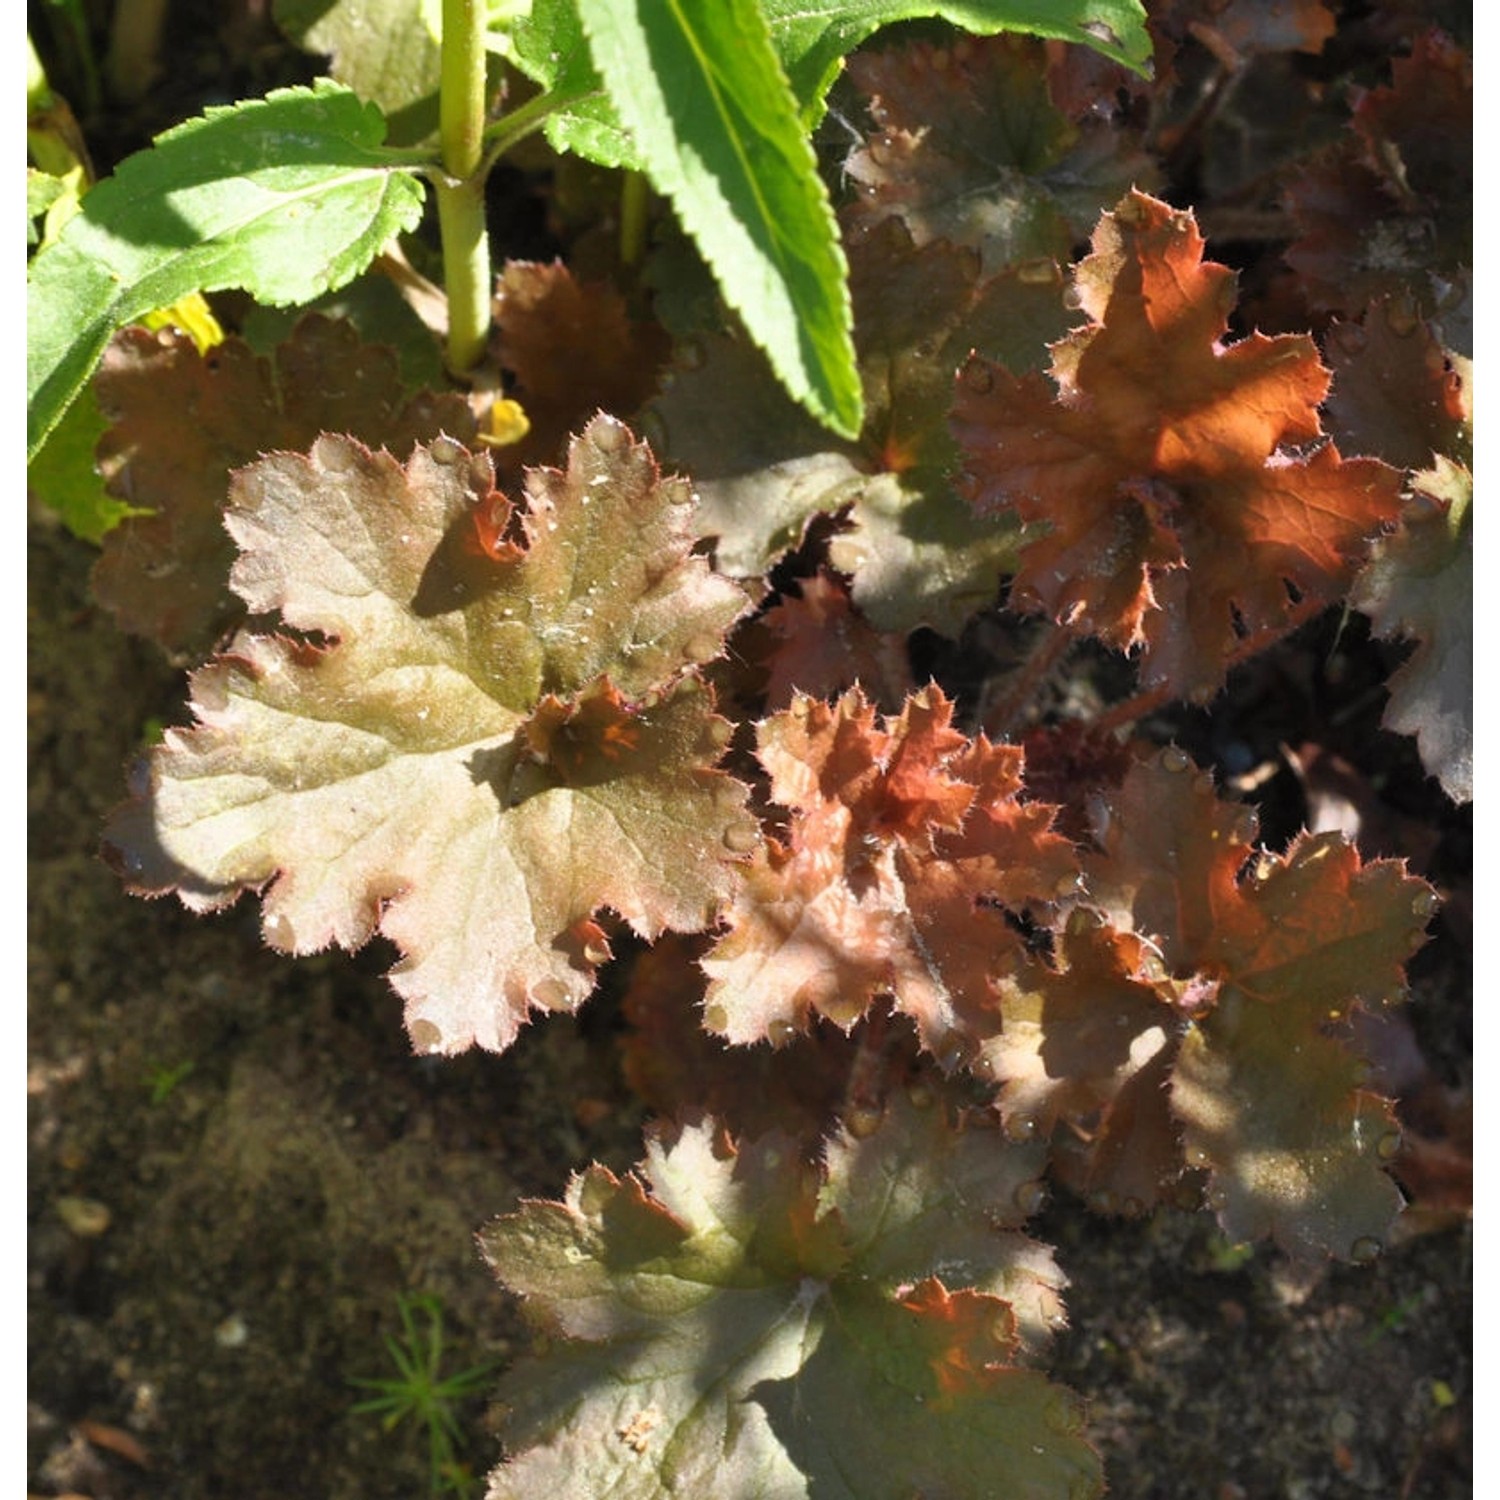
pixel 633 204
pixel 460 197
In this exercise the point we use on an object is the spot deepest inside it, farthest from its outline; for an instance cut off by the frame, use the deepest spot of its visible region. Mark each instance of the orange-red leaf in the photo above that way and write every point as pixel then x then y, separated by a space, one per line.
pixel 1173 513
pixel 1264 966
pixel 904 842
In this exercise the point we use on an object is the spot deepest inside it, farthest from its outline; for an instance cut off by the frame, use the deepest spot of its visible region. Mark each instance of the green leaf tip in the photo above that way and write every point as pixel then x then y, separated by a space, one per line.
pixel 702 93
pixel 285 197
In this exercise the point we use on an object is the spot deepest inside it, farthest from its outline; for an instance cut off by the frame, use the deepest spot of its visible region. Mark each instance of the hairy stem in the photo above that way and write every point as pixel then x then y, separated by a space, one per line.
pixel 460 198
pixel 1122 715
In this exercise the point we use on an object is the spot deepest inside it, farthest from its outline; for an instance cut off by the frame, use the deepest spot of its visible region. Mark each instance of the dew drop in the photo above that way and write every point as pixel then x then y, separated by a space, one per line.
pixel 1071 884
pixel 1365 1249
pixel 715 1019
pixel 954 1051
pixel 279 934
pixel 445 451
pixel 1020 1128
pixel 1204 782
pixel 550 994
pixel 608 435
pixel 1388 1145
pixel 596 953
pixel 1425 905
pixel 335 457
pixel 1217 1199
pixel 1246 827
pixel 425 1037
pixel 1029 1197
pixel 742 838
pixel 979 377
pixel 1175 758
pixel 1072 298
pixel 863 1121
pixel 780 1032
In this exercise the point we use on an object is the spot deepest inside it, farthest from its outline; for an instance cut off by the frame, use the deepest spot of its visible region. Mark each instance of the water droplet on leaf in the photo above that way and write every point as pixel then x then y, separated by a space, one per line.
pixel 1174 758
pixel 335 456
pixel 1425 905
pixel 863 1121
pixel 780 1032
pixel 715 1019
pixel 549 994
pixel 1029 1197
pixel 1365 1249
pixel 608 435
pixel 979 377
pixel 742 838
pixel 1388 1145
pixel 425 1037
pixel 279 934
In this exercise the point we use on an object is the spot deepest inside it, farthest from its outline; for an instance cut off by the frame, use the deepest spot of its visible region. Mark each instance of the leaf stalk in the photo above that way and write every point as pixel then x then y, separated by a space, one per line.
pixel 460 198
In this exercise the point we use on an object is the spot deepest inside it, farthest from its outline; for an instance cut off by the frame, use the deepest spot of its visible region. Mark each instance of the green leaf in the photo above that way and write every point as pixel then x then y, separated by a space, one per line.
pixel 810 38
pixel 387 51
pixel 286 197
pixel 698 85
pixel 63 476
pixel 741 1323
pixel 813 36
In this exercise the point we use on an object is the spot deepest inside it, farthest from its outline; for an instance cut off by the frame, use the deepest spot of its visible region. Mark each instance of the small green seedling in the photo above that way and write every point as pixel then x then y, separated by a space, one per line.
pixel 422 1392
pixel 163 1079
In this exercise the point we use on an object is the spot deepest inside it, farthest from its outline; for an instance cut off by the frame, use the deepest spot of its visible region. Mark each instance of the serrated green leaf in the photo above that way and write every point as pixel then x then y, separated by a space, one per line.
pixel 698 85
pixel 745 1324
pixel 286 197
pixel 387 51
pixel 810 38
pixel 813 36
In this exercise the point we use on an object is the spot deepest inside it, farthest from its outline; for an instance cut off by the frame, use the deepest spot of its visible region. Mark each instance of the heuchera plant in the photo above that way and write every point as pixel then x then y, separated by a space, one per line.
pixel 515 685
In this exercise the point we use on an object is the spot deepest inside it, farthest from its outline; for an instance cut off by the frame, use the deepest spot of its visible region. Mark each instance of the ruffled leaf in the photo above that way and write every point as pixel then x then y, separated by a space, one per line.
pixel 1170 514
pixel 166 575
pixel 500 735
pixel 737 1322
